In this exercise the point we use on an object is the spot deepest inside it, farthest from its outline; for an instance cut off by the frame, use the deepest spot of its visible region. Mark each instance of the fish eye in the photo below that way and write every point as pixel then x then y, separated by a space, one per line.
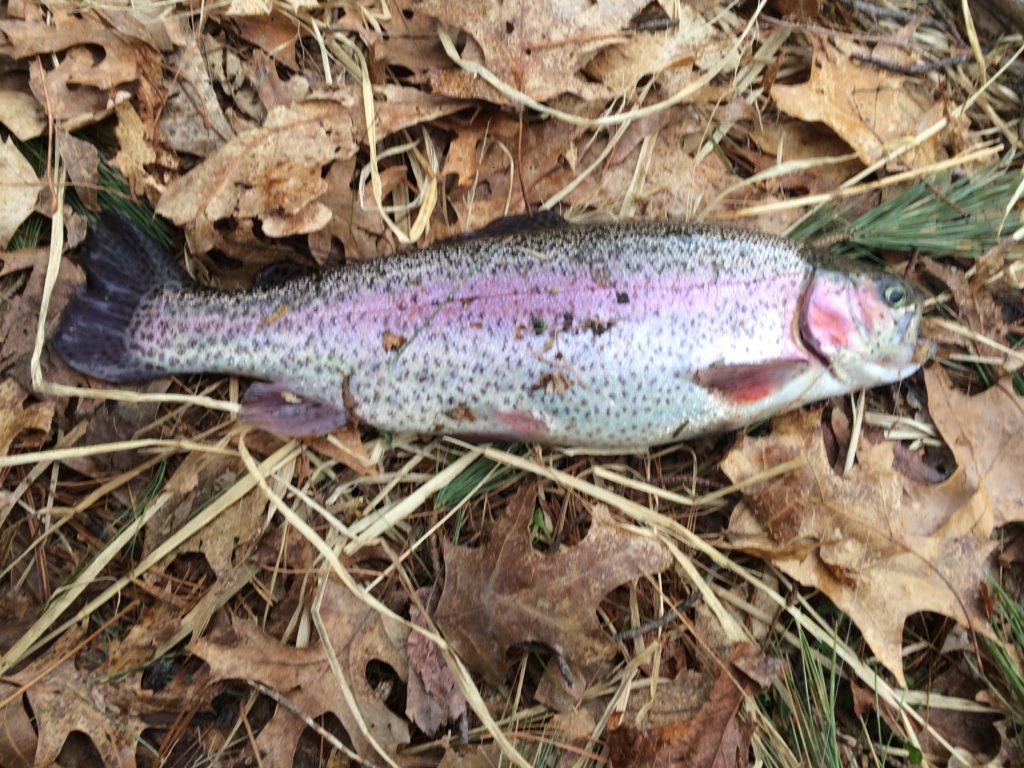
pixel 894 294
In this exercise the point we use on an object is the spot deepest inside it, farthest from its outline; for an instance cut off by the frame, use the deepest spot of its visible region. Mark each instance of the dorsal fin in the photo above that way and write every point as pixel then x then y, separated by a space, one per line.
pixel 517 223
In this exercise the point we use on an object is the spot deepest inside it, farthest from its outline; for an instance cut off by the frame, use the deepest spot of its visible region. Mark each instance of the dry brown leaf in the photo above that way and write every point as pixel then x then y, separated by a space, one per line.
pixel 880 546
pixel 788 139
pixel 433 696
pixel 21 113
pixel 505 592
pixel 407 39
pixel 712 737
pixel 803 10
pixel 621 65
pixel 360 230
pixel 192 120
pixel 83 87
pixel 271 170
pixel 135 152
pixel 310 218
pixel 984 432
pixel 303 675
pixel 276 35
pixel 16 418
pixel 977 305
pixel 535 46
pixel 872 109
pixel 19 190
pixel 18 325
pixel 65 700
pixel 345 446
pixel 70 28
pixel 83 163
pixel 272 90
pixel 226 540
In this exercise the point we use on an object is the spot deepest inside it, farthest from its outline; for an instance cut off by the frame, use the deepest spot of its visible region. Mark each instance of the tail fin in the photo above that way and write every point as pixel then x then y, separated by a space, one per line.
pixel 122 265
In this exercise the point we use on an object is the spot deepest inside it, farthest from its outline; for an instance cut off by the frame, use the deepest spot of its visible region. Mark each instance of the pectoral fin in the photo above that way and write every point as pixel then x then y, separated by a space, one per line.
pixel 750 382
pixel 276 408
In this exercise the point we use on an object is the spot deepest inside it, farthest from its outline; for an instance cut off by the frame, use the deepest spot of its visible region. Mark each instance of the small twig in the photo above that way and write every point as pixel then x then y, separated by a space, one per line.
pixel 326 735
pixel 919 68
pixel 563 667
pixel 670 615
pixel 883 12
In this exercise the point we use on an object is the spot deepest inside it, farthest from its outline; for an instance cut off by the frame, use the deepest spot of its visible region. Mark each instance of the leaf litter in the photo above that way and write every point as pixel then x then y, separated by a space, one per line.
pixel 155 565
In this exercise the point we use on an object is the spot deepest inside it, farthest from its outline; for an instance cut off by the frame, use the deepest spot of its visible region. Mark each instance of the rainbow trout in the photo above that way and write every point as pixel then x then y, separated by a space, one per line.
pixel 615 335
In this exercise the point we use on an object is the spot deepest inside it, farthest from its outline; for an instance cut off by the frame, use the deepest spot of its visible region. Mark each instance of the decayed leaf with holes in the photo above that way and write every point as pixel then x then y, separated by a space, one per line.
pixel 78 90
pixel 433 696
pixel 535 46
pixel 985 434
pixel 19 190
pixel 710 736
pixel 303 675
pixel 66 700
pixel 16 418
pixel 880 546
pixel 505 592
pixel 226 540
pixel 872 109
pixel 72 27
pixel 273 169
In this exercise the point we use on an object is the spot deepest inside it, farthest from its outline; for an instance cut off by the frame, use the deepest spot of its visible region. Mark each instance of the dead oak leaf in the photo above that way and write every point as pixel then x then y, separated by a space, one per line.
pixel 433 697
pixel 536 47
pixel 505 592
pixel 16 418
pixel 274 169
pixel 303 675
pixel 880 546
pixel 984 433
pixel 712 737
pixel 20 112
pixel 19 190
pixel 64 700
pixel 690 42
pixel 75 28
pixel 192 119
pixel 871 109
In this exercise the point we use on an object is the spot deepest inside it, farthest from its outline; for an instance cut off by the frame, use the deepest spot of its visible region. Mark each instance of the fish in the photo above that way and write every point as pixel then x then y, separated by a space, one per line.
pixel 617 335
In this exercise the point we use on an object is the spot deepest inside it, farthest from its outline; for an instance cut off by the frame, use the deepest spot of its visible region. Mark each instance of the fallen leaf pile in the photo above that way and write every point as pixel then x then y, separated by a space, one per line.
pixel 881 545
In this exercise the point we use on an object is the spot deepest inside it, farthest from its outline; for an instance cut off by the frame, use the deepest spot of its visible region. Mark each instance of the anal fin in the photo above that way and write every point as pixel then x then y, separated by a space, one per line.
pixel 276 408
pixel 750 382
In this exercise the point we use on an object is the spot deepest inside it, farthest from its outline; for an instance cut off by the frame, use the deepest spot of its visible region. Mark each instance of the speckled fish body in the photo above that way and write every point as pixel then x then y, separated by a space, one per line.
pixel 615 335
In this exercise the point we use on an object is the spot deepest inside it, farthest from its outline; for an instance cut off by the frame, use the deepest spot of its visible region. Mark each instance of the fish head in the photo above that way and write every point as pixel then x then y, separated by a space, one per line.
pixel 863 326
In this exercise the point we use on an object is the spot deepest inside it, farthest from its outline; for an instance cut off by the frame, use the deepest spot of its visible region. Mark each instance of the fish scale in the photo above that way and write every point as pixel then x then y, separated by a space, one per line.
pixel 615 335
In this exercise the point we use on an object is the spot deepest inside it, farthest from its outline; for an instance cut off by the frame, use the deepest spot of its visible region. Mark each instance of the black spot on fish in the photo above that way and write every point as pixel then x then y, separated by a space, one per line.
pixel 538 324
pixel 598 327
pixel 622 297
pixel 567 321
